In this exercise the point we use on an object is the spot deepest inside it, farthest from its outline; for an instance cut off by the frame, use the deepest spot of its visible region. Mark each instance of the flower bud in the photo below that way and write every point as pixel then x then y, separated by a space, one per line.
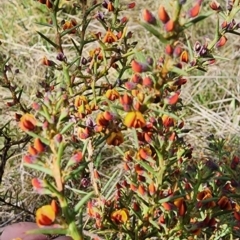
pixel 222 41
pixel 162 14
pixel 214 5
pixel 147 82
pixel 148 17
pixel 169 26
pixel 151 189
pixel 194 11
pixel 131 5
pixel 172 99
pixel 169 49
pixel 184 57
pixel 39 145
pixel 138 67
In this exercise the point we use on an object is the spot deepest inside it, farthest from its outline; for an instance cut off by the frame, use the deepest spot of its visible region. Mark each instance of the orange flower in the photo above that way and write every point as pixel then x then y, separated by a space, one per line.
pixel 83 133
pixel 139 170
pixel 79 100
pixel 128 156
pixel 45 215
pixel 55 206
pixel 167 121
pixel 203 195
pixel 120 216
pixel 47 62
pixel 39 145
pixel 84 110
pixel 108 115
pixel 224 203
pixel 101 120
pixel 112 94
pixel 135 120
pixel 144 153
pixel 168 206
pixel 181 205
pixel 115 139
pixel 70 24
pixel 32 150
pixel 27 122
pixel 109 37
pixel 184 57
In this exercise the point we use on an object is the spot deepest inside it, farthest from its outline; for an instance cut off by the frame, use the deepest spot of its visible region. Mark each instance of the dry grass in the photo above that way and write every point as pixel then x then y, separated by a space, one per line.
pixel 212 98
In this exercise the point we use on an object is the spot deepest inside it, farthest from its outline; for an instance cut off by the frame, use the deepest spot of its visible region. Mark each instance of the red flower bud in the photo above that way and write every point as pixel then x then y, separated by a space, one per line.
pixel 194 11
pixel 169 26
pixel 222 41
pixel 214 5
pixel 172 99
pixel 169 49
pixel 163 15
pixel 138 67
pixel 131 5
pixel 148 17
pixel 147 82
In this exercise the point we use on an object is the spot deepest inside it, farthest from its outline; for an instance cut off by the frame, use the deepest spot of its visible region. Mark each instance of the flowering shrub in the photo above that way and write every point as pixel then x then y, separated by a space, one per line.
pixel 112 98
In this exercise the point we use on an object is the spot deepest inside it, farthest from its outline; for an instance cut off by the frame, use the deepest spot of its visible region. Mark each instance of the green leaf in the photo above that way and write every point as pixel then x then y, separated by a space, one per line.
pixel 221 58
pixel 44 24
pixel 38 168
pixel 147 167
pixel 51 231
pixel 48 40
pixel 234 32
pixel 171 198
pixel 197 19
pixel 154 31
pixel 178 71
pixel 83 201
pixel 34 135
pixel 75 45
pixel 110 181
pixel 67 127
pixel 140 56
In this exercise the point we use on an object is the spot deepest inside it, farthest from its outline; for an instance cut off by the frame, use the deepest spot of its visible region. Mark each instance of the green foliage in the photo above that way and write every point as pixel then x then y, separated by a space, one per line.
pixel 103 97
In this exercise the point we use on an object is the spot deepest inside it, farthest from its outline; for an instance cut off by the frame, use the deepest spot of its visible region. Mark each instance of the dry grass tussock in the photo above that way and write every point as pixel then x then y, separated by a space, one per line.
pixel 212 98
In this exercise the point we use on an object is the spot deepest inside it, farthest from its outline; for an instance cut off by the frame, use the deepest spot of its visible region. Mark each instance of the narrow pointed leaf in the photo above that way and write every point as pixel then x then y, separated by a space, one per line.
pixel 178 71
pixel 154 31
pixel 110 181
pixel 83 201
pixel 39 168
pixel 197 19
pixel 48 40
pixel 44 24
pixel 51 231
